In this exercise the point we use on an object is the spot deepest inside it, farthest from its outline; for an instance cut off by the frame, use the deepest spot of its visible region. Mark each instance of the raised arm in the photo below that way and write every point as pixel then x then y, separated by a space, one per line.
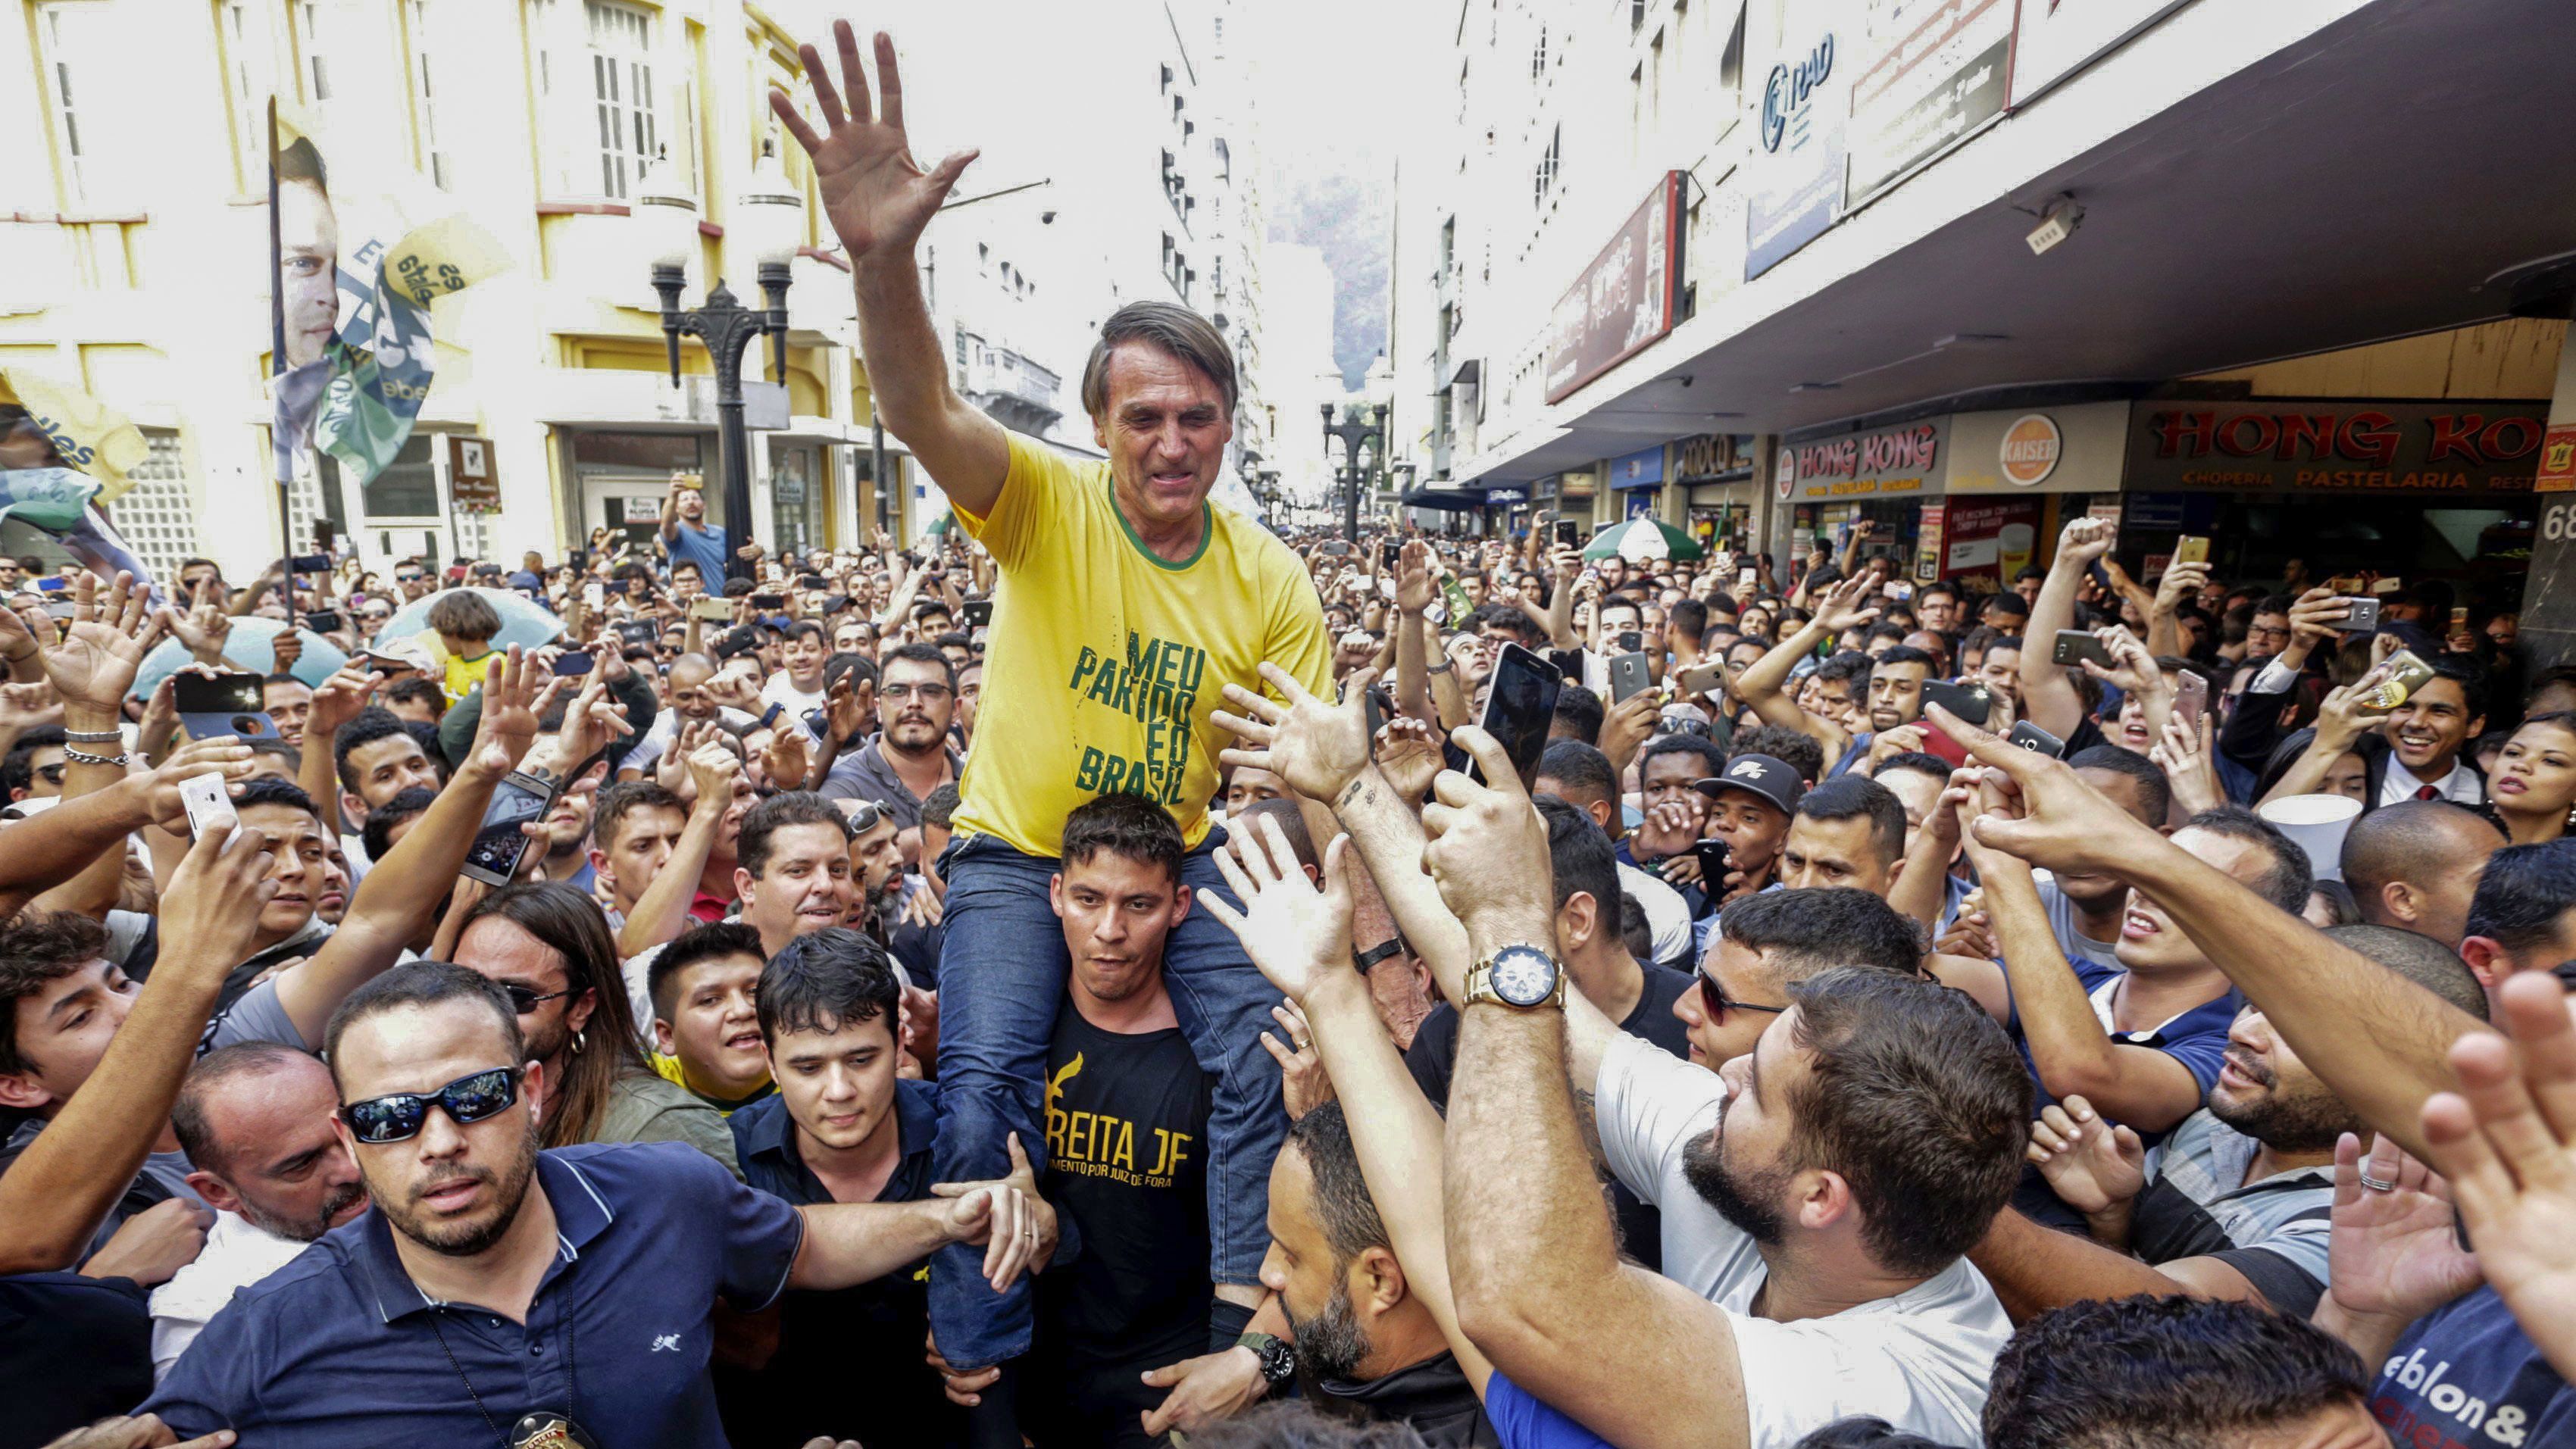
pixel 2048 698
pixel 1300 937
pixel 879 200
pixel 1574 1326
pixel 2140 1086
pixel 396 902
pixel 1761 684
pixel 662 912
pixel 2377 1040
pixel 58 1191
pixel 1412 600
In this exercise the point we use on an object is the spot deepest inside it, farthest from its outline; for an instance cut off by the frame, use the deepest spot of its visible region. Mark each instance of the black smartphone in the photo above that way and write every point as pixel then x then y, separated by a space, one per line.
pixel 614 586
pixel 769 601
pixel 211 706
pixel 975 614
pixel 1973 703
pixel 2039 741
pixel 1568 662
pixel 1569 533
pixel 1714 863
pixel 1337 548
pixel 1630 674
pixel 313 563
pixel 322 621
pixel 639 631
pixel 812 581
pixel 2074 645
pixel 499 845
pixel 1629 640
pixel 576 661
pixel 1380 706
pixel 1520 707
pixel 1389 553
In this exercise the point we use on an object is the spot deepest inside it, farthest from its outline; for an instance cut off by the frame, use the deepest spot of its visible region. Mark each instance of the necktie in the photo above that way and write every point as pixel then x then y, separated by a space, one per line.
pixel 2429 792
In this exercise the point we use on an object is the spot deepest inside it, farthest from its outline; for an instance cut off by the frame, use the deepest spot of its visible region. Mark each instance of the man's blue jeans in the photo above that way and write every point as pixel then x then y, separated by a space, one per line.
pixel 1002 972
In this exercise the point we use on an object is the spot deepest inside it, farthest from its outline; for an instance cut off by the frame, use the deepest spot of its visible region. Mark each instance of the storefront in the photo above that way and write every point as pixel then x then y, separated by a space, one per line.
pixel 1828 483
pixel 799 494
pixel 622 480
pixel 2414 490
pixel 2014 477
pixel 1714 475
pixel 1637 480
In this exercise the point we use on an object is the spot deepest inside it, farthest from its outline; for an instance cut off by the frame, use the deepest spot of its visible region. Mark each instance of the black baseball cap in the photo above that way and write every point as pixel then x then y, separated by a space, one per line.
pixel 1761 775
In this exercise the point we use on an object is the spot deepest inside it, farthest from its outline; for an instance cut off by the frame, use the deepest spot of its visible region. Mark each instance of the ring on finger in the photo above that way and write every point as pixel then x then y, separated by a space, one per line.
pixel 2374 1184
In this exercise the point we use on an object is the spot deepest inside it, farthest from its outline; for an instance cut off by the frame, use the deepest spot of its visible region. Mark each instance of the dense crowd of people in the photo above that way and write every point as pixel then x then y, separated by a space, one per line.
pixel 1111 974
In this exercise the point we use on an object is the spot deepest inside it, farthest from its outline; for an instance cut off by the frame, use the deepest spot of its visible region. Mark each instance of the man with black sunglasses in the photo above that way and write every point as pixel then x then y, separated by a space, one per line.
pixel 496 1292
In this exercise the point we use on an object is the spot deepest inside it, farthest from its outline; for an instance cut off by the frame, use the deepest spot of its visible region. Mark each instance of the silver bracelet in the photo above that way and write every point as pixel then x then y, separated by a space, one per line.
pixel 94 737
pixel 81 757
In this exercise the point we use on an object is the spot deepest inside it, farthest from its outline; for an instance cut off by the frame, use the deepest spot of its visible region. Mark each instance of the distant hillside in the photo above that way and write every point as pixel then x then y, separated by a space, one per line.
pixel 1346 217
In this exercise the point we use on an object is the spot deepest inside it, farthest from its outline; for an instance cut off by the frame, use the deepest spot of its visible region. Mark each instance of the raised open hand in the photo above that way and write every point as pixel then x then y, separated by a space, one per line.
pixel 1293 931
pixel 2092 1164
pixel 511 706
pixel 204 626
pixel 111 631
pixel 2393 1252
pixel 876 195
pixel 1315 745
pixel 1841 608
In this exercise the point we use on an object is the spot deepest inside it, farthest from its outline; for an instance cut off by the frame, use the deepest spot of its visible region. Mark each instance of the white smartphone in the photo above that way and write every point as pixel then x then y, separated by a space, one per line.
pixel 207 803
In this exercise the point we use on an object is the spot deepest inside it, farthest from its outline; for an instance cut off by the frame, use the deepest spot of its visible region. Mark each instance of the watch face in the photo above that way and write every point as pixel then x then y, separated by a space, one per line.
pixel 1523 975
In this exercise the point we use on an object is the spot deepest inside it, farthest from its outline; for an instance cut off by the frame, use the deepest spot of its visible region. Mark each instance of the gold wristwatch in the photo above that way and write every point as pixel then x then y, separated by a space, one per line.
pixel 1521 977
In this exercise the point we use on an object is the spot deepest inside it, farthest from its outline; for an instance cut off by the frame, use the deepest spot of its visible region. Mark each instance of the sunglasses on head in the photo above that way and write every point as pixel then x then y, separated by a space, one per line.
pixel 467 1100
pixel 1713 997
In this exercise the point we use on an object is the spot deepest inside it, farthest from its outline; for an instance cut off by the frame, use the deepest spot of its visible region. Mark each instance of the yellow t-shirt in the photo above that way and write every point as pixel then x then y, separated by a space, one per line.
pixel 1105 662
pixel 464 674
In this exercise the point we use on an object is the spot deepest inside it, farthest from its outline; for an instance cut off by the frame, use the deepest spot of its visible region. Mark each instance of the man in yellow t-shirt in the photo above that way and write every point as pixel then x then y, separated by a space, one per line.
pixel 1126 602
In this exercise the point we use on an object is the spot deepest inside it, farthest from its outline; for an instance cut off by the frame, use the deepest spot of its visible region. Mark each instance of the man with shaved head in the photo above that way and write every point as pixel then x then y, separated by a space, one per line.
pixel 2415 865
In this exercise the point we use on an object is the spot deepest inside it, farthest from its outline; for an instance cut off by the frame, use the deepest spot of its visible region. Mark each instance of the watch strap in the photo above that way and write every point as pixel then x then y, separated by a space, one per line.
pixel 1363 960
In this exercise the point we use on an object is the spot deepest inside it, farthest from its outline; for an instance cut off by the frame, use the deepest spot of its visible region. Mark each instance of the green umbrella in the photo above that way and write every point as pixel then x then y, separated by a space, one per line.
pixel 1640 539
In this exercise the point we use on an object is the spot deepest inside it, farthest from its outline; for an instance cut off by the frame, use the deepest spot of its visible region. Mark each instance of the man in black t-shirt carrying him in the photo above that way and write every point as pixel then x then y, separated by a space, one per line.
pixel 1126 1124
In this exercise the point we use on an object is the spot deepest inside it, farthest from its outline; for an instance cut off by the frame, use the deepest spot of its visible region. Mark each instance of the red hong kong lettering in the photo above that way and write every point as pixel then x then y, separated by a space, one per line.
pixel 2369 437
pixel 2182 435
pixel 2511 437
pixel 2311 433
pixel 2455 435
pixel 2248 435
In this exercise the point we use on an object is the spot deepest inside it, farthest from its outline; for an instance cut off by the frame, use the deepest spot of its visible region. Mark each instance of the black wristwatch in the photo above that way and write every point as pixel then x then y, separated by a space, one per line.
pixel 1278 1360
pixel 1363 960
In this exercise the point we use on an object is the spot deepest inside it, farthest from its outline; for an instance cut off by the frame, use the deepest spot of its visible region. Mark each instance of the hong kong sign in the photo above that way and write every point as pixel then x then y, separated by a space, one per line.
pixel 2340 444
pixel 1902 459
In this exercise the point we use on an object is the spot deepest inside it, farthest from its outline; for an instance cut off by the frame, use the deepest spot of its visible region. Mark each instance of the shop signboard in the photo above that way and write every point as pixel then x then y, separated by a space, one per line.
pixel 1640 504
pixel 1794 172
pixel 2337 445
pixel 1988 540
pixel 2057 38
pixel 1902 460
pixel 1929 76
pixel 1709 455
pixel 2557 462
pixel 2074 449
pixel 1641 469
pixel 473 486
pixel 1927 542
pixel 1625 300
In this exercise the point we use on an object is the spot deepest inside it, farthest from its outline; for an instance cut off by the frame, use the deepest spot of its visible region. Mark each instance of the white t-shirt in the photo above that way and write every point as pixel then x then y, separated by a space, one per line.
pixel 1920 1360
pixel 237 1254
pixel 780 690
pixel 1667 916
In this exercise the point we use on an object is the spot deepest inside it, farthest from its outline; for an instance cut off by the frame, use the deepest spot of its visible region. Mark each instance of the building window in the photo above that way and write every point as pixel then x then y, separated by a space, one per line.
pixel 243 40
pixel 309 57
pixel 1543 184
pixel 1538 53
pixel 621 75
pixel 424 95
pixel 77 48
pixel 408 488
pixel 156 515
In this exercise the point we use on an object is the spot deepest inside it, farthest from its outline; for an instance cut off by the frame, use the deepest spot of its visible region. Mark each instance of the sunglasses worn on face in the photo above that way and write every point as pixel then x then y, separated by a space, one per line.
pixel 467 1100
pixel 1714 998
pixel 525 999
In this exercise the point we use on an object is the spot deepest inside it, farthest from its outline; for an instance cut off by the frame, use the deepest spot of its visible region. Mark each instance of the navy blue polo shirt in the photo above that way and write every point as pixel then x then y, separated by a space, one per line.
pixel 340 1346
pixel 764 1141
pixel 2197 1038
